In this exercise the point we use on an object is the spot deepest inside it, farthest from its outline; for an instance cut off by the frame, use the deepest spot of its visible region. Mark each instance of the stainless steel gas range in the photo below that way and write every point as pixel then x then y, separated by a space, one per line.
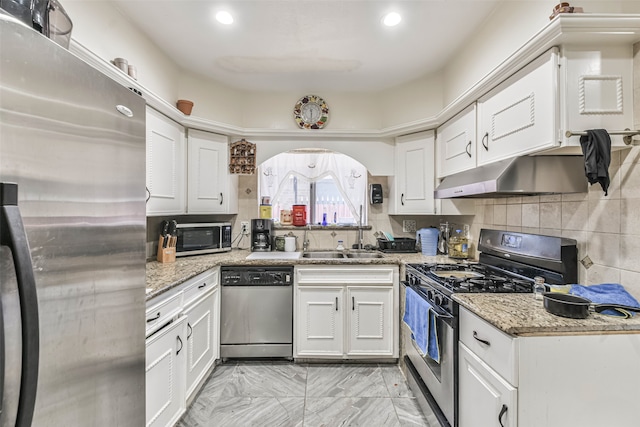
pixel 508 263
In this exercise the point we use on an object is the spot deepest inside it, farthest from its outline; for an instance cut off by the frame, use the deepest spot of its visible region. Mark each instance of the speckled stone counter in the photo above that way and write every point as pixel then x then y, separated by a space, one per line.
pixel 162 277
pixel 521 315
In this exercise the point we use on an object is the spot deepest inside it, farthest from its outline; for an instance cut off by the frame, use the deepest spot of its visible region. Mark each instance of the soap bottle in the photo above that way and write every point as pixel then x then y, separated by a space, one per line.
pixel 340 246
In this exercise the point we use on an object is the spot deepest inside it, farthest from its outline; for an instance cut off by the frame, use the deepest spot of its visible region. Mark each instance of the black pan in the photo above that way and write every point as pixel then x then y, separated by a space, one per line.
pixel 576 307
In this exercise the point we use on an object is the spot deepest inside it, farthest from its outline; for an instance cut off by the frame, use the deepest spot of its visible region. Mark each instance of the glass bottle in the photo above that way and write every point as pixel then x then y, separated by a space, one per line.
pixel 538 287
pixel 459 241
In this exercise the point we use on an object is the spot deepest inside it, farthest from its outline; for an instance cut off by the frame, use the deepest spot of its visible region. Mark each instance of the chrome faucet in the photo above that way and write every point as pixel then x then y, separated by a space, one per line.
pixel 360 234
pixel 305 241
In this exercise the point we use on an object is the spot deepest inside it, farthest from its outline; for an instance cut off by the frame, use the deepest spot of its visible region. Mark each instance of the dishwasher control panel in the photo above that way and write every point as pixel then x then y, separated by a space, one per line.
pixel 256 276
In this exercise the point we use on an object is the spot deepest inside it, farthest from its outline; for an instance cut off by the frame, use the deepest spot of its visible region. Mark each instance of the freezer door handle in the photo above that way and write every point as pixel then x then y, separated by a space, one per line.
pixel 13 235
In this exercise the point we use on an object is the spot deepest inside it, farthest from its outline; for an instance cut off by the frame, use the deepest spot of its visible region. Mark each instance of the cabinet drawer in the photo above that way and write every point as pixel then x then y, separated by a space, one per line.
pixel 200 286
pixel 157 315
pixel 364 275
pixel 494 347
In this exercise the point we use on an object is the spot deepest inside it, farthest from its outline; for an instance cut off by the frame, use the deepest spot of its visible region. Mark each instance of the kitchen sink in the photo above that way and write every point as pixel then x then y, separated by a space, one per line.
pixel 340 255
pixel 323 254
pixel 364 255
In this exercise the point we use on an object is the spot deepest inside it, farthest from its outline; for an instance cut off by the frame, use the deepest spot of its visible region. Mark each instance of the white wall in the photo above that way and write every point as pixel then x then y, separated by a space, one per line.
pixel 102 29
pixel 274 110
pixel 212 100
pixel 416 100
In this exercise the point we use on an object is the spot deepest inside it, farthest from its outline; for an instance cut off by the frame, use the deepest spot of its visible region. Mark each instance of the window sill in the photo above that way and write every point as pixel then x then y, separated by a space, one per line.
pixel 320 227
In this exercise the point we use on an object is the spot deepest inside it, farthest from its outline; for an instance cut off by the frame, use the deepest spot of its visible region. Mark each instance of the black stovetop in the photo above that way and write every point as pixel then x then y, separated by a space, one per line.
pixel 468 278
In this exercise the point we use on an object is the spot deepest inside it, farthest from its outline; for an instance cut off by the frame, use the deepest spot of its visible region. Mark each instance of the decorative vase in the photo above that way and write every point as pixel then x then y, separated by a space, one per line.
pixel 185 106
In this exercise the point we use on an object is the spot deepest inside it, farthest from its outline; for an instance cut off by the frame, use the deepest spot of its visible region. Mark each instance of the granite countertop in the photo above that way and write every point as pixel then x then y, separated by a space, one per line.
pixel 162 277
pixel 522 315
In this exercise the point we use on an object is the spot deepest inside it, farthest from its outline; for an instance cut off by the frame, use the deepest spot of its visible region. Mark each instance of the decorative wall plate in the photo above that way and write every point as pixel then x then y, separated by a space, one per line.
pixel 311 112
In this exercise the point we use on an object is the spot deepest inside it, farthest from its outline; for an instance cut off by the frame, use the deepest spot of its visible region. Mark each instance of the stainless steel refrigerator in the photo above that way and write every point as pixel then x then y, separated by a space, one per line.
pixel 72 254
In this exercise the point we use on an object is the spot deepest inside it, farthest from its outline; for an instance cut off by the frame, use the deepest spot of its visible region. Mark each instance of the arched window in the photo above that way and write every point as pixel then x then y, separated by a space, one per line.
pixel 331 185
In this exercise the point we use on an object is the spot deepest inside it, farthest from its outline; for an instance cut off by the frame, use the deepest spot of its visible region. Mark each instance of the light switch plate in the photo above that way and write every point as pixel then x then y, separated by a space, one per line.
pixel 408 226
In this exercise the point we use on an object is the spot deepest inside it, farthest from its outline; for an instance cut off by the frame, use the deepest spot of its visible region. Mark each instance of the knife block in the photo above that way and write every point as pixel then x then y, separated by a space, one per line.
pixel 167 254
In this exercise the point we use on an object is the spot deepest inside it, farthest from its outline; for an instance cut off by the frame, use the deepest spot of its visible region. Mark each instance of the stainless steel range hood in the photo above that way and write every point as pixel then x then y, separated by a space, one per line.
pixel 518 176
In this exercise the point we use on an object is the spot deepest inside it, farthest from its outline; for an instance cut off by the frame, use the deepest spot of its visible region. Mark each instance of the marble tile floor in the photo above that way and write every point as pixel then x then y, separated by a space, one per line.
pixel 283 394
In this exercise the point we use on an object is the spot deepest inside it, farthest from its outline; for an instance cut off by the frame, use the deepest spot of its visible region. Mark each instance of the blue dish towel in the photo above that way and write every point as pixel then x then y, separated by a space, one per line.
pixel 606 293
pixel 421 319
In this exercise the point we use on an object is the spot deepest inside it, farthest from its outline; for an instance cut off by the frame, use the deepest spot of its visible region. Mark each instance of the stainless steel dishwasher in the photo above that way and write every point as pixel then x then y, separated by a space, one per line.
pixel 256 314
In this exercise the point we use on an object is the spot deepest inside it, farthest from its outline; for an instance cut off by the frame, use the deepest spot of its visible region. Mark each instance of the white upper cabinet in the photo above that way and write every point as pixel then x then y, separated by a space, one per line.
pixel 211 189
pixel 456 143
pixel 520 115
pixel 597 90
pixel 165 165
pixel 413 184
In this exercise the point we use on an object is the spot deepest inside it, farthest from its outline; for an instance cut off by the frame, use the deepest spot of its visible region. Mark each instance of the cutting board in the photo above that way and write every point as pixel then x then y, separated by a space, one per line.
pixel 274 255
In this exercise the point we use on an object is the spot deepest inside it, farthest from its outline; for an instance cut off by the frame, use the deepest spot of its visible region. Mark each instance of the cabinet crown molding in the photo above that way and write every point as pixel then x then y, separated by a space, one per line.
pixel 566 29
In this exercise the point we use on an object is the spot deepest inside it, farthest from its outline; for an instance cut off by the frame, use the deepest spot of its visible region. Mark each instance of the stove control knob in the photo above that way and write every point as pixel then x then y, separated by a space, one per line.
pixel 430 295
pixel 438 300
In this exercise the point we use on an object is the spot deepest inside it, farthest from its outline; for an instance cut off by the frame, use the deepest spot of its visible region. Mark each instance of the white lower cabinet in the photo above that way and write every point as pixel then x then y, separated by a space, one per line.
pixel 202 338
pixel 319 321
pixel 166 374
pixel 586 380
pixel 346 312
pixel 485 398
pixel 370 320
pixel 181 347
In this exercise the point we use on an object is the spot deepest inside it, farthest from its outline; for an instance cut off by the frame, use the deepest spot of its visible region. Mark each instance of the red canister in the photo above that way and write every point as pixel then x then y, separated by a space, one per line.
pixel 300 215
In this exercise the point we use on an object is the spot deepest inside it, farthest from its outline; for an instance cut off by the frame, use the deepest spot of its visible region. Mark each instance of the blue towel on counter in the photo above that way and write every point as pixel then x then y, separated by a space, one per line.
pixel 421 319
pixel 606 293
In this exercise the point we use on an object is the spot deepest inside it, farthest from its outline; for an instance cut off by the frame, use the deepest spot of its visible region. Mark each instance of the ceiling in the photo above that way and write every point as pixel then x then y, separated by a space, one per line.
pixel 329 45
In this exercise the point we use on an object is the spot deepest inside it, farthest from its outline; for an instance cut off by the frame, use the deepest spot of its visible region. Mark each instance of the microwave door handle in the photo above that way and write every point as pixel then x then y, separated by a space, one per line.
pixel 13 235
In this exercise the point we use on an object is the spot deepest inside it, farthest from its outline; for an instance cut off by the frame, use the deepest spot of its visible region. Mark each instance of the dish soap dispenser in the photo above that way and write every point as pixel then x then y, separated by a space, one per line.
pixel 340 246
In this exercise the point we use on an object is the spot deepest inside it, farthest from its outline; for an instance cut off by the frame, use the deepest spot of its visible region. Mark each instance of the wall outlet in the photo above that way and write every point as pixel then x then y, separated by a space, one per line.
pixel 244 228
pixel 408 226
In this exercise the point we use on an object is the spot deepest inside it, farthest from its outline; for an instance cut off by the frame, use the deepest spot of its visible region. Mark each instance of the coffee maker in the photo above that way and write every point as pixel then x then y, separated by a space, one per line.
pixel 261 235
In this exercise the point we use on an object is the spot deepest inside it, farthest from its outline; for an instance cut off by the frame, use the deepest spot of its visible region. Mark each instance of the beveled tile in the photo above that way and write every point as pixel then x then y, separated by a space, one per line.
pixel 350 411
pixel 267 380
pixel 410 414
pixel 345 381
pixel 200 413
pixel 395 381
pixel 218 381
pixel 257 411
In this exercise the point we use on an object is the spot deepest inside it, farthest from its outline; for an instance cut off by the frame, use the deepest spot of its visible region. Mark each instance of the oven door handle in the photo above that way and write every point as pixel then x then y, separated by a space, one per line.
pixel 442 315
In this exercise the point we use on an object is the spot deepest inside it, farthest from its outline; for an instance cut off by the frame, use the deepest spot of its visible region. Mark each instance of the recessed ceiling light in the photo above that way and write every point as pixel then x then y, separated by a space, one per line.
pixel 224 18
pixel 391 19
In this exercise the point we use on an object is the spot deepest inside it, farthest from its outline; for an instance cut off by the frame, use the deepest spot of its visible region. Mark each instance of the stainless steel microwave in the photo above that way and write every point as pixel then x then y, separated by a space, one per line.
pixel 203 238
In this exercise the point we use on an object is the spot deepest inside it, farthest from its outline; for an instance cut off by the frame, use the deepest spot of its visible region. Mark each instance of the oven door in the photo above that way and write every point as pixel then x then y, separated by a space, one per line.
pixel 438 377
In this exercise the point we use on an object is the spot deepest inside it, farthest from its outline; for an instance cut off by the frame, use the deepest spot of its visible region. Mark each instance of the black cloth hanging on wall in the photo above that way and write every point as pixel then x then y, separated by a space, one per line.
pixel 596 148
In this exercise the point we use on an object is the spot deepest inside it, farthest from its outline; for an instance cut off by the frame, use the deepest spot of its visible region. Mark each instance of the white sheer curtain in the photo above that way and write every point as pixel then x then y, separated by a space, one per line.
pixel 349 175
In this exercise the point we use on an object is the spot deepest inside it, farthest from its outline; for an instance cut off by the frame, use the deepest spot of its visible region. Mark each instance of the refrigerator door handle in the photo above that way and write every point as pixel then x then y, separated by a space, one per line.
pixel 13 235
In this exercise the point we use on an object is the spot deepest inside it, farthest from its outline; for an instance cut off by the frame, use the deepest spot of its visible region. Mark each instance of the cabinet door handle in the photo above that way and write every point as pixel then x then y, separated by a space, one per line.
pixel 485 342
pixel 190 331
pixel 154 318
pixel 353 303
pixel 402 199
pixel 221 198
pixel 181 345
pixel 336 303
pixel 468 149
pixel 502 412
pixel 485 141
pixel 149 194
pixel 202 286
